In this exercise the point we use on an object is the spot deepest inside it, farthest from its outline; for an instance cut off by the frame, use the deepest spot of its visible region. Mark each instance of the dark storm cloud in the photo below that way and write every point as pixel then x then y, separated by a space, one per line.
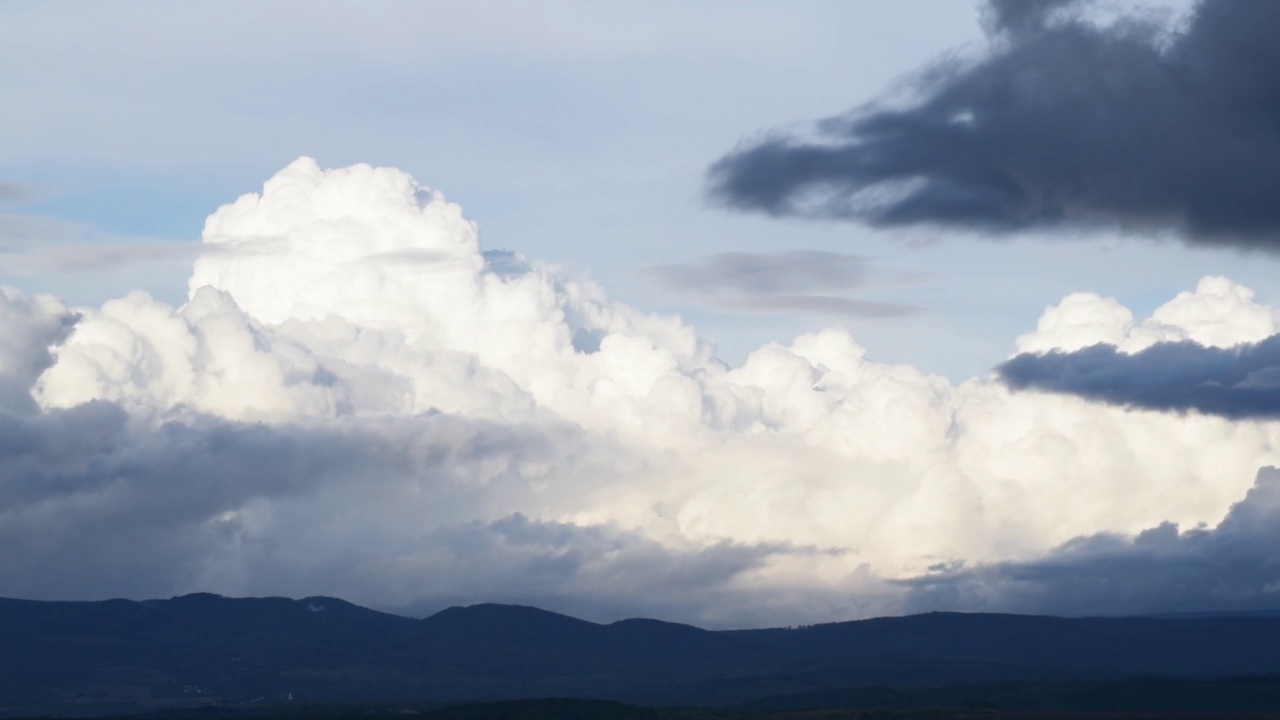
pixel 1235 566
pixel 1236 382
pixel 96 506
pixel 96 503
pixel 1017 16
pixel 789 282
pixel 1062 122
pixel 597 572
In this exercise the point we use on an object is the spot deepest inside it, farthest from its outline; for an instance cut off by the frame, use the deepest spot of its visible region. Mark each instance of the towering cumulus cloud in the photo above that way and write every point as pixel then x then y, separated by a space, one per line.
pixel 1063 120
pixel 357 399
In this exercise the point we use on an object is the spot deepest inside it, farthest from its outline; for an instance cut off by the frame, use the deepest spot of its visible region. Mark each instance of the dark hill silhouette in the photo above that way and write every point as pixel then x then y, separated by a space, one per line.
pixel 630 644
pixel 1221 644
pixel 202 649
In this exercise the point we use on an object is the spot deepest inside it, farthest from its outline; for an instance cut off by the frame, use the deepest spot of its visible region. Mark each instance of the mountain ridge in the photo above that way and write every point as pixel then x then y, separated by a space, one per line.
pixel 206 649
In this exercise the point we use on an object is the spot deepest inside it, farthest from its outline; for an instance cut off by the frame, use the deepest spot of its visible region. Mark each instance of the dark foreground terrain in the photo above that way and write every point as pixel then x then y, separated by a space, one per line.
pixel 572 709
pixel 205 656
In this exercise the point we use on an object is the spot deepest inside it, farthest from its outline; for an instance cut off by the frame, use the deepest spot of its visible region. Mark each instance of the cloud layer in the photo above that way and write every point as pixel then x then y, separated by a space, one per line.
pixel 358 400
pixel 1064 120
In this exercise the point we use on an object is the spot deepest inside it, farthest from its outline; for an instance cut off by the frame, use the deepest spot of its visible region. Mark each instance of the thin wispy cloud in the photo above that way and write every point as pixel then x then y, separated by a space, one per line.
pixel 20 230
pixel 799 281
pixel 93 256
pixel 820 305
pixel 14 193
pixel 40 244
pixel 809 271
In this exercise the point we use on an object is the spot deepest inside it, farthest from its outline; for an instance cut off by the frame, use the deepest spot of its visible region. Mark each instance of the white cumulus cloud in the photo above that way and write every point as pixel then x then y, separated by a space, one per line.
pixel 1219 313
pixel 359 399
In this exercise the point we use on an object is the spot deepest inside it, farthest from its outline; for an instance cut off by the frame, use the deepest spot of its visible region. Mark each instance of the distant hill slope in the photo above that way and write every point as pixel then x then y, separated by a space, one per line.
pixel 204 649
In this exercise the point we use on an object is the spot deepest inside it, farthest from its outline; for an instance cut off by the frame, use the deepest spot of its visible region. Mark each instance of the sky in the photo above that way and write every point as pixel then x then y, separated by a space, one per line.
pixel 731 313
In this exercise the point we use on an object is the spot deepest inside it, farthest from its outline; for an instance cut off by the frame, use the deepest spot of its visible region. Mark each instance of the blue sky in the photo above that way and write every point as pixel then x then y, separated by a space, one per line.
pixel 577 134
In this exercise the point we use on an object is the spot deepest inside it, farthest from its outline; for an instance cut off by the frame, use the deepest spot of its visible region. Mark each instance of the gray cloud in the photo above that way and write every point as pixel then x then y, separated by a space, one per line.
pixel 805 271
pixel 28 328
pixel 97 502
pixel 788 282
pixel 96 505
pixel 15 193
pixel 1063 122
pixel 598 571
pixel 1236 382
pixel 1234 566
